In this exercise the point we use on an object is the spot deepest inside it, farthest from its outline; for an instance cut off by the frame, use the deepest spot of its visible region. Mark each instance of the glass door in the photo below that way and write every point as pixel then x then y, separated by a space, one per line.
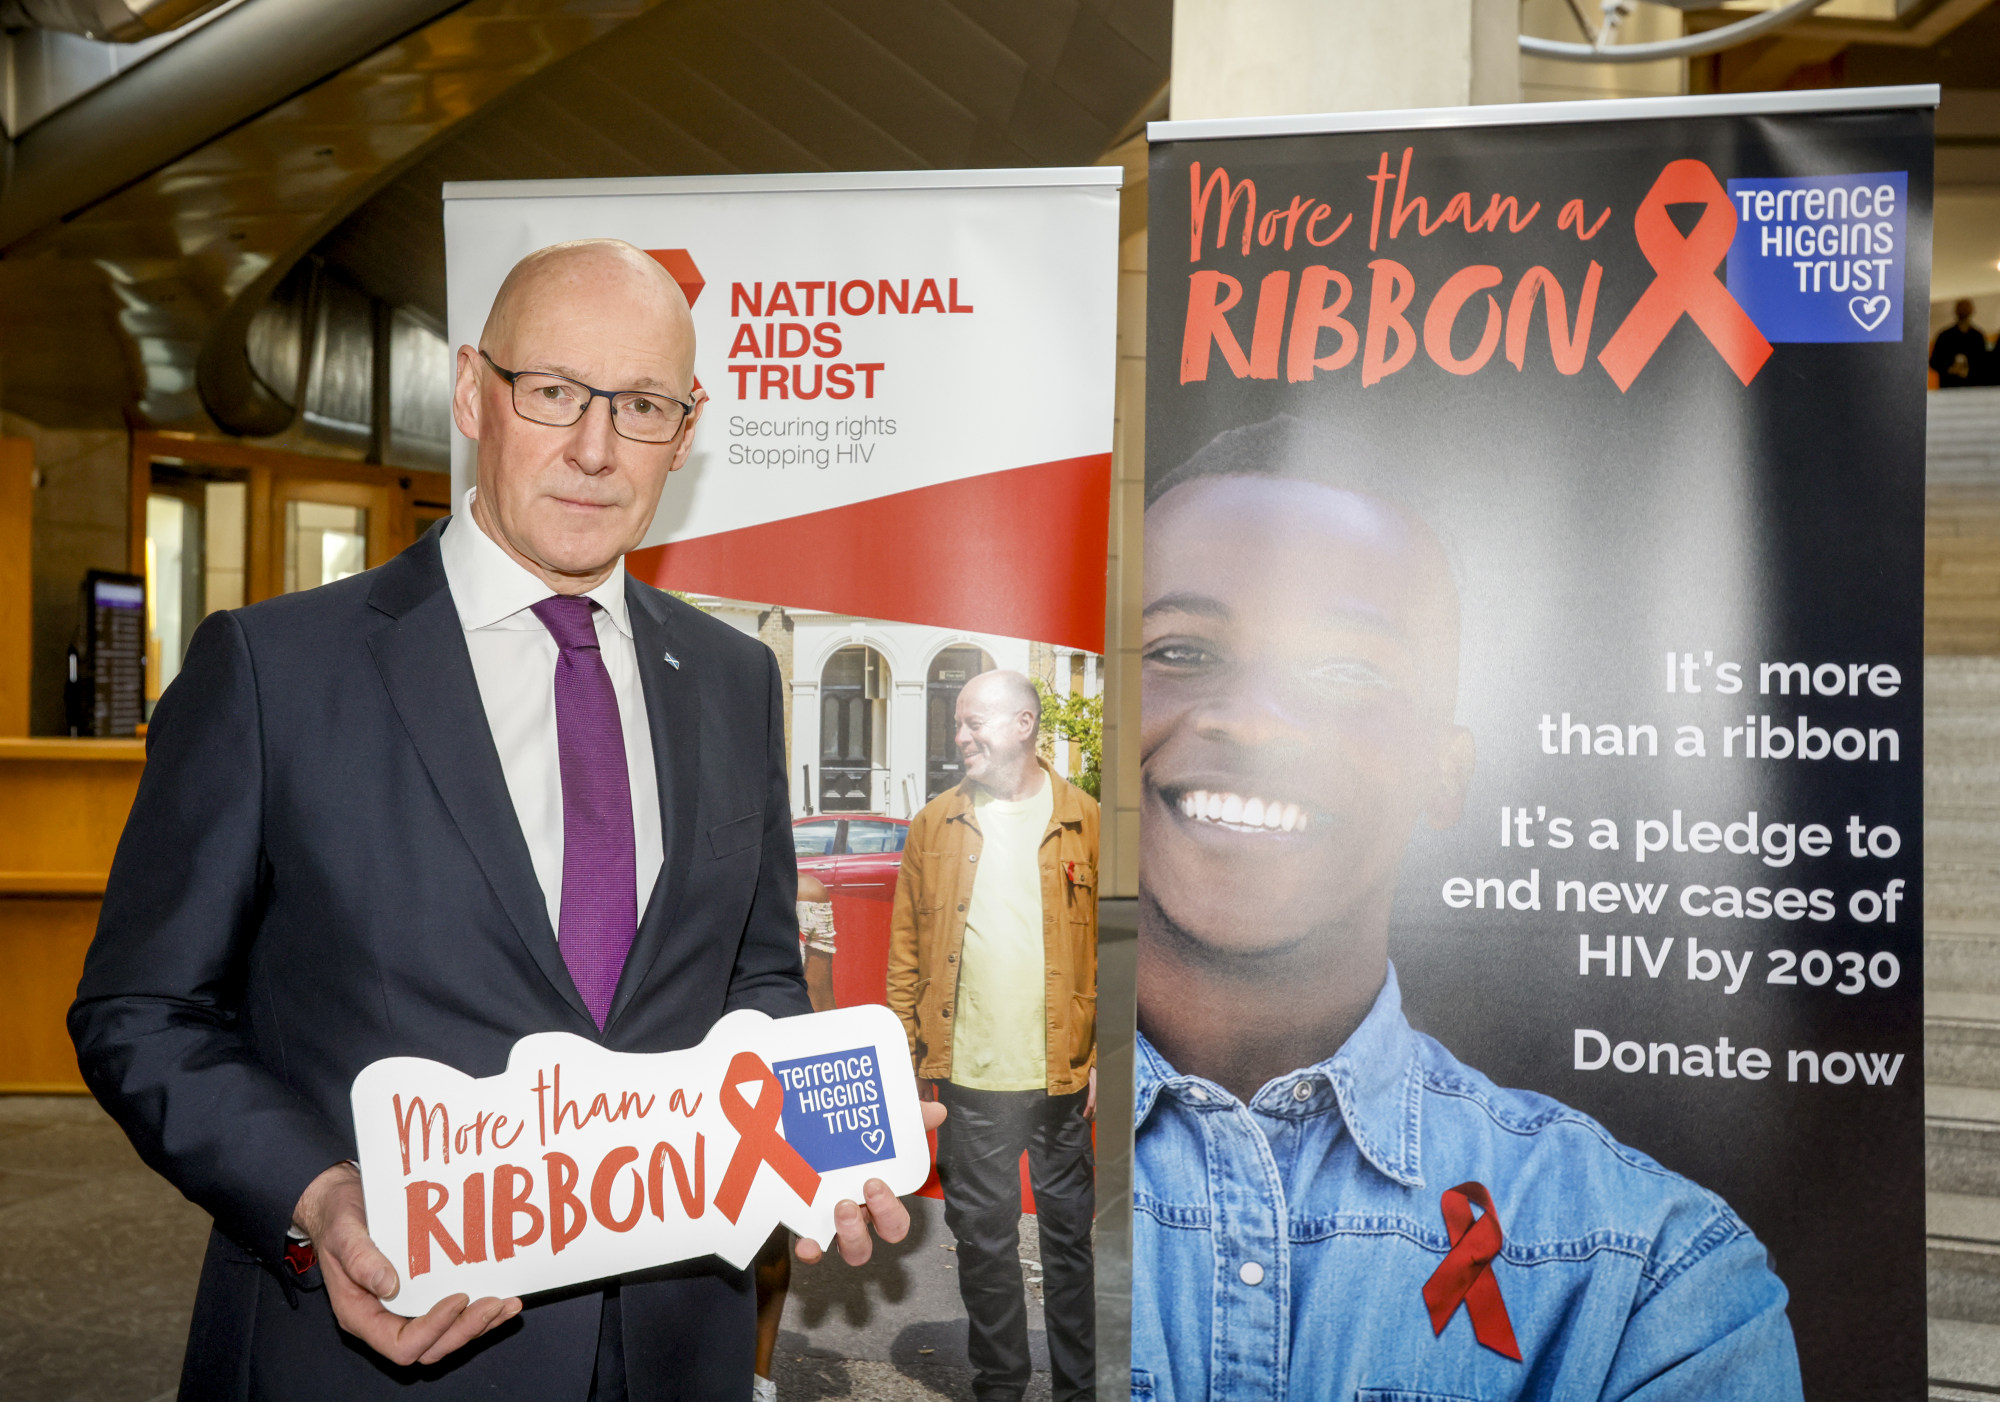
pixel 326 531
pixel 194 564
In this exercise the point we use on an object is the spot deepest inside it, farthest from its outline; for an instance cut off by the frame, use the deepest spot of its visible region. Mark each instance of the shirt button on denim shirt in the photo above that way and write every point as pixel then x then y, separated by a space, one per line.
pixel 1280 1248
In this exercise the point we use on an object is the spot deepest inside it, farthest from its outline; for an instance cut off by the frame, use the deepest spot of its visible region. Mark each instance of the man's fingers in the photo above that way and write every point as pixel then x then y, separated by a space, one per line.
pixel 473 1320
pixel 850 1228
pixel 360 1259
pixel 934 1113
pixel 892 1219
pixel 344 1237
pixel 855 1226
pixel 397 1339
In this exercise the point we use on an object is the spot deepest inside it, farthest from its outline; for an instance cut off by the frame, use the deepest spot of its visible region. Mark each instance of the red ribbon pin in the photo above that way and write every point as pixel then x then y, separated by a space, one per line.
pixel 759 1141
pixel 1684 281
pixel 1467 1272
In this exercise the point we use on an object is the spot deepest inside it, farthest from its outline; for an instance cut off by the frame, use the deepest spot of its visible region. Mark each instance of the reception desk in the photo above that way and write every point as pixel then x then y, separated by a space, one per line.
pixel 62 805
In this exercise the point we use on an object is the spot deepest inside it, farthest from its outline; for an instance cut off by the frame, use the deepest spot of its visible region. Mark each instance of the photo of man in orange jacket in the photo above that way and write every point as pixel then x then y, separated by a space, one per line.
pixel 993 971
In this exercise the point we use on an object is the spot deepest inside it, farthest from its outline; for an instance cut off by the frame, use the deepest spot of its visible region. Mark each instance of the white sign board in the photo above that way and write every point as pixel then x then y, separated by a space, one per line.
pixel 859 335
pixel 577 1163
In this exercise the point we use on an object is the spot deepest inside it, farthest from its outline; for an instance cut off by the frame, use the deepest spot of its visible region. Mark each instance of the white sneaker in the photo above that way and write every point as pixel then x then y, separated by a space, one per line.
pixel 762 1389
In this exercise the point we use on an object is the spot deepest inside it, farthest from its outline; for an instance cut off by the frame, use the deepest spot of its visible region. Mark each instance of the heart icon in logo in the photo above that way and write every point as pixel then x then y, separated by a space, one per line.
pixel 1869 311
pixel 871 1140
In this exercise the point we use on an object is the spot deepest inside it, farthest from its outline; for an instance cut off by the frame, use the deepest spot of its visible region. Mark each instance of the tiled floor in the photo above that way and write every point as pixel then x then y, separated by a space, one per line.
pixel 1962 1011
pixel 98 1266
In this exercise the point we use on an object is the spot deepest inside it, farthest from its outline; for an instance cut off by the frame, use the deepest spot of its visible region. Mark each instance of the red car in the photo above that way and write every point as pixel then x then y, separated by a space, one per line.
pixel 857 856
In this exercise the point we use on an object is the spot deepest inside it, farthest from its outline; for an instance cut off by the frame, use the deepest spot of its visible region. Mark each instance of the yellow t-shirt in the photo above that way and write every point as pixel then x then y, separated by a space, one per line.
pixel 1000 1040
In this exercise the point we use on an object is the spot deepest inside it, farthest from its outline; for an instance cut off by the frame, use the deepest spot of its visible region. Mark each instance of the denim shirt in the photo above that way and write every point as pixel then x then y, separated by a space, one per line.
pixel 1280 1249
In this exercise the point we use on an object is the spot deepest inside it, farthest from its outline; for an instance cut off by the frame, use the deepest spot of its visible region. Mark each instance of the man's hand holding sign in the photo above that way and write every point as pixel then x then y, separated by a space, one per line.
pixel 578 1163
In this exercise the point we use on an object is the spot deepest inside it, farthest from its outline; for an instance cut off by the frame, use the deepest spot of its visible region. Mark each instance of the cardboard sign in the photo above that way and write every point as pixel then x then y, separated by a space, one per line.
pixel 577 1163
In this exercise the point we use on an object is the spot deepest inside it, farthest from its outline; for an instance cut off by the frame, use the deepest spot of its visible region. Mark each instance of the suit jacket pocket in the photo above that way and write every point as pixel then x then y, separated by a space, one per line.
pixel 727 839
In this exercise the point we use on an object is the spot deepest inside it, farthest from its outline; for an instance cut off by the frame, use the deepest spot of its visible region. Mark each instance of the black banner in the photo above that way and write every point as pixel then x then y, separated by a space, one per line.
pixel 1534 597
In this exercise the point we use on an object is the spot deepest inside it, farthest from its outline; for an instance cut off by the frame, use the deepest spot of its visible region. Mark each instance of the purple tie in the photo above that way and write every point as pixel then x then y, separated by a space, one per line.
pixel 599 894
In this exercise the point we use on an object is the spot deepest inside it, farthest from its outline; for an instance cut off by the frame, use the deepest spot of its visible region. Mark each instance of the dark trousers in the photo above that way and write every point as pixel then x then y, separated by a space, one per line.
pixel 979 1152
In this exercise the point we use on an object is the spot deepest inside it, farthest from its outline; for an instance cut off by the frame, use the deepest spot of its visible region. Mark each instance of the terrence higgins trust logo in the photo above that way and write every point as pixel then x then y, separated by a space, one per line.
pixel 834 1113
pixel 1819 258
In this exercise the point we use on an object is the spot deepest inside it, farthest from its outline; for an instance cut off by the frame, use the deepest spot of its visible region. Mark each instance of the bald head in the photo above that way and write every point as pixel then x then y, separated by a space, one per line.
pixel 999 717
pixel 1004 692
pixel 567 280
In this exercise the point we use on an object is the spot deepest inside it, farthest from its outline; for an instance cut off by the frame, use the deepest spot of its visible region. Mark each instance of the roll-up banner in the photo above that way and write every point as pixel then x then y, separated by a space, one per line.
pixel 900 482
pixel 1530 965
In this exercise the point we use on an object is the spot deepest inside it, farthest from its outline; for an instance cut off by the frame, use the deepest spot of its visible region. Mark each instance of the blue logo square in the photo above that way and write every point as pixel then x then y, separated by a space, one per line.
pixel 1819 258
pixel 835 1114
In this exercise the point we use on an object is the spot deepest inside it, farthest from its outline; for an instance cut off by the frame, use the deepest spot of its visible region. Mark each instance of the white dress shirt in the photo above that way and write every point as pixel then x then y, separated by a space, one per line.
pixel 514 659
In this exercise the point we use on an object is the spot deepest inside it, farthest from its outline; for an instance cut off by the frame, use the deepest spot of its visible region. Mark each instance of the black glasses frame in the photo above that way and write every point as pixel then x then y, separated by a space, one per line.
pixel 510 376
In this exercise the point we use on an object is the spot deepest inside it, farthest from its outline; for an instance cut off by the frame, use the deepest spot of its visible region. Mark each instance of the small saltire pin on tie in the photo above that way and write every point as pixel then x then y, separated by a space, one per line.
pixel 671 660
pixel 1467 1272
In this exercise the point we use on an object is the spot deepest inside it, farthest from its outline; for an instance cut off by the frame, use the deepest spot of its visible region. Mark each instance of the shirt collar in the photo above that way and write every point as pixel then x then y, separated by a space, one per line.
pixel 489 586
pixel 1374 1077
pixel 1067 806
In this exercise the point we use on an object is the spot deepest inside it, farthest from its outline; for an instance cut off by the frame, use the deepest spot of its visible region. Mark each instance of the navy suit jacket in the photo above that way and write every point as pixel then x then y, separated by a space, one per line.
pixel 323 867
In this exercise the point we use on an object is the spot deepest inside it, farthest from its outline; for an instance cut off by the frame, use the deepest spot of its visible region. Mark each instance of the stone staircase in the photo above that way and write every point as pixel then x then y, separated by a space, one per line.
pixel 1962 1023
pixel 1962 527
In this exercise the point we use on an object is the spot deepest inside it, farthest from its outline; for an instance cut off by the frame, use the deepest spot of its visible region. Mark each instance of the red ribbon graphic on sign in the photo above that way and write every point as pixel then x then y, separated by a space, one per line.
pixel 760 1142
pixel 1684 281
pixel 1467 1272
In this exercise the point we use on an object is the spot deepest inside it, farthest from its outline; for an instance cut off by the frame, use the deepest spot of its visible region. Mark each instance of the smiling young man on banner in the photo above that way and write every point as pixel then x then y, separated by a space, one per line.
pixel 1617 409
pixel 1307 1165
pixel 493 788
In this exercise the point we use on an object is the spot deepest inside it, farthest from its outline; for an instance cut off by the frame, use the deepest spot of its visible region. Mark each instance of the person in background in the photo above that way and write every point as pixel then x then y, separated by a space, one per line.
pixel 993 970
pixel 1959 354
pixel 816 935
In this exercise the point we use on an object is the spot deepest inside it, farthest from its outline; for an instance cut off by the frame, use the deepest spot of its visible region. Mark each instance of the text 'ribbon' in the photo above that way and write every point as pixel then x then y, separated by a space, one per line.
pixel 760 1142
pixel 1467 1271
pixel 1684 281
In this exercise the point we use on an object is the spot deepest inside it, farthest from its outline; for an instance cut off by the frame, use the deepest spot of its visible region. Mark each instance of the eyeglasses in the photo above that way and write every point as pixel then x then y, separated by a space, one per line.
pixel 642 415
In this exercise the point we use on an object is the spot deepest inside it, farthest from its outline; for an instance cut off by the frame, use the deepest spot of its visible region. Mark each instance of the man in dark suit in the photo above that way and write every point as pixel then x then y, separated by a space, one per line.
pixel 495 787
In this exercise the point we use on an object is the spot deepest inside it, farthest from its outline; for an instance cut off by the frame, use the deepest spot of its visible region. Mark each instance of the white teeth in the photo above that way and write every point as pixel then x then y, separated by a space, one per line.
pixel 1234 810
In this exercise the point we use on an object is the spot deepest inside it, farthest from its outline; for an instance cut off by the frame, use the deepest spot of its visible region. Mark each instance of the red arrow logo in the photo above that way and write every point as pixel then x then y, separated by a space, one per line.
pixel 680 267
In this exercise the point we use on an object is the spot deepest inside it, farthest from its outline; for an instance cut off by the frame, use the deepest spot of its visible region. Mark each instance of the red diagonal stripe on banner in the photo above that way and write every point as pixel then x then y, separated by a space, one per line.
pixel 1018 553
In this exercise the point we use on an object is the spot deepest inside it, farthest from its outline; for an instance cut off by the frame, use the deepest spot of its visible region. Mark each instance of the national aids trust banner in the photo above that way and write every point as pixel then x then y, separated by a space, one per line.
pixel 900 484
pixel 891 360
pixel 1530 962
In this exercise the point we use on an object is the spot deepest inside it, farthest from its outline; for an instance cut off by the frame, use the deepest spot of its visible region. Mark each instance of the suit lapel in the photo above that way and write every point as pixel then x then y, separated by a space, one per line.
pixel 428 673
pixel 673 711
